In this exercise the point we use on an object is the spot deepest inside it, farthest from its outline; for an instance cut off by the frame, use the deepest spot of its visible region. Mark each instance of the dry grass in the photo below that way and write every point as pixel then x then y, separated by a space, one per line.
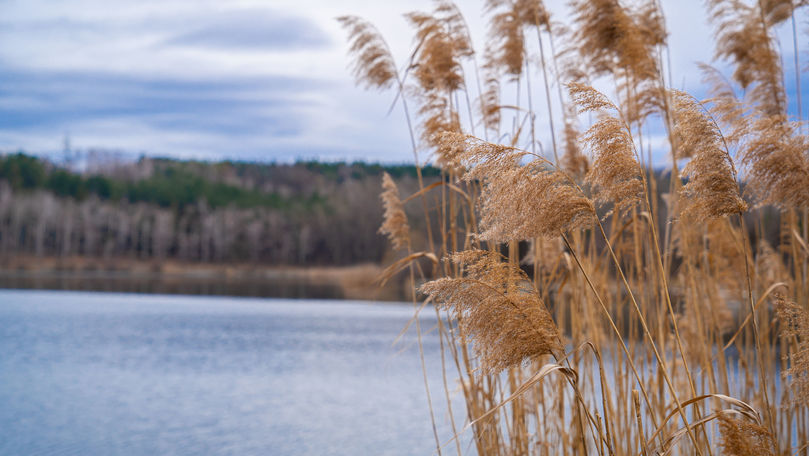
pixel 636 327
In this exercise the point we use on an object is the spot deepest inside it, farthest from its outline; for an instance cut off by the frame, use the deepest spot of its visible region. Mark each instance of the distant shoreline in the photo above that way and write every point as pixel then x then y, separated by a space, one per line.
pixel 356 282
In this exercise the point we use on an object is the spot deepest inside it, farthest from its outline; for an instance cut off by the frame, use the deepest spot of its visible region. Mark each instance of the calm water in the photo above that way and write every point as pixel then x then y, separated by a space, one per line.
pixel 107 373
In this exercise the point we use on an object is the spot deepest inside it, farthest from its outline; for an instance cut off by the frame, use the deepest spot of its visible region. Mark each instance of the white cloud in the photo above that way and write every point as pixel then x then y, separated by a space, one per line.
pixel 155 48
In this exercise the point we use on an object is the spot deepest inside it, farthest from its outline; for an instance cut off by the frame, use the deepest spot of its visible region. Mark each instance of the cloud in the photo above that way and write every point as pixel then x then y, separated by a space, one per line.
pixel 59 98
pixel 253 30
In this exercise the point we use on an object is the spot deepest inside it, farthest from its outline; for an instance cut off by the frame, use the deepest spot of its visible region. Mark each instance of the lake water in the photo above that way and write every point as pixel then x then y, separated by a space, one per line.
pixel 112 373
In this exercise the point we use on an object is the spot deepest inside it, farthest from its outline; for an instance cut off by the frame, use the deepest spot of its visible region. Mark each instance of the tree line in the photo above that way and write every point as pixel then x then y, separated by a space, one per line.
pixel 306 213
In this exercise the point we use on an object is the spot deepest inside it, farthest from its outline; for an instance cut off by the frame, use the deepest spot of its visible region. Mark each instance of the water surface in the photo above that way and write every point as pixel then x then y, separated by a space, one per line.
pixel 110 373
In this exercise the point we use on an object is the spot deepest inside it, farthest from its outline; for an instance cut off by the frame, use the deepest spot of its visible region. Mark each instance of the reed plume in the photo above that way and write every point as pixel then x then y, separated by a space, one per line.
pixel 712 190
pixel 774 157
pixel 730 112
pixel 499 309
pixel 520 201
pixel 613 39
pixel 574 162
pixel 395 224
pixel 437 68
pixel 507 41
pixel 490 100
pixel 743 38
pixel 795 328
pixel 533 13
pixel 448 13
pixel 615 172
pixel 373 65
pixel 743 438
pixel 777 11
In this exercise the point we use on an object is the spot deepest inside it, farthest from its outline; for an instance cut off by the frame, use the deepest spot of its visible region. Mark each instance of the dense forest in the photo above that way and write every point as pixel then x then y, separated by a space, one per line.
pixel 307 213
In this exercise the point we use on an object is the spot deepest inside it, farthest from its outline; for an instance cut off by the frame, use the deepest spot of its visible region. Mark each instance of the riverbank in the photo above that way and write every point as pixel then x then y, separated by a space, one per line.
pixel 356 282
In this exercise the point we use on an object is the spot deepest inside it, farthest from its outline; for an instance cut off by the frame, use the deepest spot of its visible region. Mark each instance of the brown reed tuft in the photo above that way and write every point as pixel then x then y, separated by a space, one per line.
pixel 770 266
pixel 774 157
pixel 795 326
pixel 438 117
pixel 490 100
pixel 615 172
pixel 574 162
pixel 373 64
pixel 743 38
pixel 611 37
pixel 520 201
pixel 777 11
pixel 507 41
pixel 435 65
pixel 743 438
pixel 712 190
pixel 447 12
pixel 441 41
pixel 394 224
pixel 532 13
pixel 726 108
pixel 499 309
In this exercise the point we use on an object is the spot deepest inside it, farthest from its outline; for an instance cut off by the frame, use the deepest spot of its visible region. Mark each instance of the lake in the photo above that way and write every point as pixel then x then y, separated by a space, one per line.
pixel 114 373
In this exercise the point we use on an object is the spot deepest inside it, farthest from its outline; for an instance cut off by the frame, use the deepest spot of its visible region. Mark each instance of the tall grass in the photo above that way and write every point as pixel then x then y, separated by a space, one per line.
pixel 589 304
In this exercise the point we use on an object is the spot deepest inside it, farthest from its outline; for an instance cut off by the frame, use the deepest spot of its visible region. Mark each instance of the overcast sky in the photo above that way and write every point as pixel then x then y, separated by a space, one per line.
pixel 241 79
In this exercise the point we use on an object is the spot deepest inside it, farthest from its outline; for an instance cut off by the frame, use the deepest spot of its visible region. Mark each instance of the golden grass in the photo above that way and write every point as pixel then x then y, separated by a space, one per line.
pixel 663 320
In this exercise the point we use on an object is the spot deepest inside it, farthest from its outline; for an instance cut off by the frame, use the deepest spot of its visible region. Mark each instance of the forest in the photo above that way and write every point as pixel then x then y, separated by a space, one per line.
pixel 300 214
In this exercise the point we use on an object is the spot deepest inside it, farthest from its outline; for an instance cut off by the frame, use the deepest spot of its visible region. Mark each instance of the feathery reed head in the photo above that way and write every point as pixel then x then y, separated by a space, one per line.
pixel 730 112
pixel 437 118
pixel 436 65
pixel 507 41
pixel 612 38
pixel 745 40
pixel 774 157
pixel 533 13
pixel 574 162
pixel 499 309
pixel 448 13
pixel 490 101
pixel 395 224
pixel 520 201
pixel 712 190
pixel 373 64
pixel 615 172
pixel 777 11
pixel 743 438
pixel 795 325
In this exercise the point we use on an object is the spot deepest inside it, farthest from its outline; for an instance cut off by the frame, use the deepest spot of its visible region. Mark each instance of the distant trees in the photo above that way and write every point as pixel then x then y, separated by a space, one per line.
pixel 302 214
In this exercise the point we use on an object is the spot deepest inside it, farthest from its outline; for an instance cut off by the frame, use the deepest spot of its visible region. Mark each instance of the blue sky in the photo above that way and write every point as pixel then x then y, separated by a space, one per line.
pixel 243 79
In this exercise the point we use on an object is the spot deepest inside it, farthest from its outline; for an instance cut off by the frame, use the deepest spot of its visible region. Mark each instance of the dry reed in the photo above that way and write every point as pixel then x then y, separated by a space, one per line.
pixel 652 334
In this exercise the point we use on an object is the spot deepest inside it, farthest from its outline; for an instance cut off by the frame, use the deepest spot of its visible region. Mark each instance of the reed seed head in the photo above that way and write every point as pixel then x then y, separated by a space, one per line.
pixel 744 39
pixel 774 157
pixel 519 201
pixel 373 65
pixel 743 438
pixel 498 309
pixel 795 326
pixel 394 223
pixel 712 190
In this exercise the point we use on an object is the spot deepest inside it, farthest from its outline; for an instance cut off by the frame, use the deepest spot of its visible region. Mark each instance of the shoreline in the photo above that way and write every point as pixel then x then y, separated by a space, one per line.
pixel 356 282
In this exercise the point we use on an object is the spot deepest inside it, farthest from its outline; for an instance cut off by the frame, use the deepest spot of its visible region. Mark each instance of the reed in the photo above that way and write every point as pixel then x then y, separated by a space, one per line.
pixel 588 303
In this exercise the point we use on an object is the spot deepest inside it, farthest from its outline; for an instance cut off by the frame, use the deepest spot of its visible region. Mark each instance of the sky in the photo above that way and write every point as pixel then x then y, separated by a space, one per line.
pixel 255 80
